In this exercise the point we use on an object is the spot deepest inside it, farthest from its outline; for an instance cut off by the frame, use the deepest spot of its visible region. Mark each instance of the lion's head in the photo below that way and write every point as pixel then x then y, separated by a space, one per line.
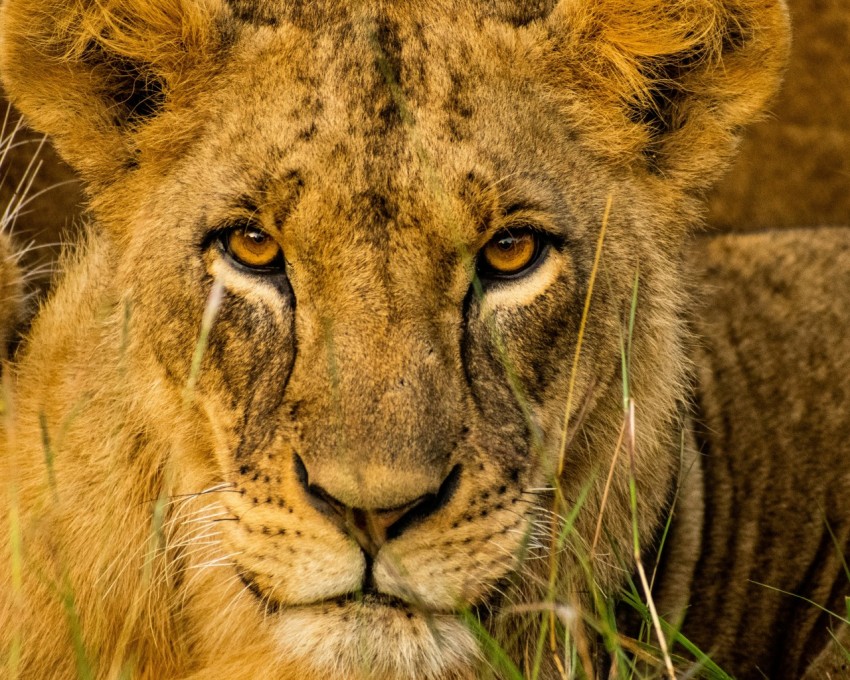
pixel 345 249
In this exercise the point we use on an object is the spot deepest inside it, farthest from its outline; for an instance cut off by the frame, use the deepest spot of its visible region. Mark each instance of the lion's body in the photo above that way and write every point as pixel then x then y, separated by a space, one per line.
pixel 773 380
pixel 179 421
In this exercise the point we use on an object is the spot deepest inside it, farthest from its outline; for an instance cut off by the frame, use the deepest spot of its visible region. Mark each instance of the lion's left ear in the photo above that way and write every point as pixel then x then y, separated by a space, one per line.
pixel 92 73
pixel 671 81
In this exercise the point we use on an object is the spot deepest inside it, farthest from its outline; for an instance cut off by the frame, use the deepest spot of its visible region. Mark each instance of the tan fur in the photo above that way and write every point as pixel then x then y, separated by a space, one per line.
pixel 772 375
pixel 163 512
pixel 11 292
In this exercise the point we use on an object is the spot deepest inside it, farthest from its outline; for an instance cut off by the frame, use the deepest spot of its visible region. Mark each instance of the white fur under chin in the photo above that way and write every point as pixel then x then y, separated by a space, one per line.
pixel 360 642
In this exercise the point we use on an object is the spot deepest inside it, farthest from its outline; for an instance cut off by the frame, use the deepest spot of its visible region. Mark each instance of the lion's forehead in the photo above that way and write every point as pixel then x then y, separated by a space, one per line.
pixel 378 146
pixel 313 14
pixel 377 72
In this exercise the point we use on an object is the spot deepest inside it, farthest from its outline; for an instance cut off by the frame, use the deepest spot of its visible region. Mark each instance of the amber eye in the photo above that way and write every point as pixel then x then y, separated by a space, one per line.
pixel 254 248
pixel 509 253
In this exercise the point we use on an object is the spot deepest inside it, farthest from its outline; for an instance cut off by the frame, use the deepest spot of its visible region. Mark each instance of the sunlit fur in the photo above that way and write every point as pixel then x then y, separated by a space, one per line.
pixel 10 289
pixel 152 477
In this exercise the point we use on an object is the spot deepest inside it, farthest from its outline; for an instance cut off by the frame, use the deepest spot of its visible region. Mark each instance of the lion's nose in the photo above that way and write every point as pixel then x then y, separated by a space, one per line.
pixel 372 527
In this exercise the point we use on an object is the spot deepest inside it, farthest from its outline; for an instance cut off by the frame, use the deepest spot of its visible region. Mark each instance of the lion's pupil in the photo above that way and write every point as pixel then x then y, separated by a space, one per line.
pixel 252 247
pixel 510 253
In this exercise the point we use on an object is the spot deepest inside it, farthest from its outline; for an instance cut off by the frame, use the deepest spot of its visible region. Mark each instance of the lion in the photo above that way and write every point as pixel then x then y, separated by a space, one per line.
pixel 11 290
pixel 430 359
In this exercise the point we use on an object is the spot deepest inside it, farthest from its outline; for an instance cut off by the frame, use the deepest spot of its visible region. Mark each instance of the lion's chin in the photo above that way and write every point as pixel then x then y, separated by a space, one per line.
pixel 373 640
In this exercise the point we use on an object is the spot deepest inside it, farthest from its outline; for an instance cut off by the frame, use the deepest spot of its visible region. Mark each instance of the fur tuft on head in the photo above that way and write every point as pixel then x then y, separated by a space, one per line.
pixel 162 34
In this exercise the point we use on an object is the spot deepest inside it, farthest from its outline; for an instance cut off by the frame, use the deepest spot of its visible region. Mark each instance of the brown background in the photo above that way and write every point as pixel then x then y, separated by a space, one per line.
pixel 794 169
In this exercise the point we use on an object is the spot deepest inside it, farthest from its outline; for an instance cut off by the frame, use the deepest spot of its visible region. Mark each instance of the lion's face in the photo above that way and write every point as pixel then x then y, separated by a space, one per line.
pixel 382 380
pixel 379 407
pixel 382 366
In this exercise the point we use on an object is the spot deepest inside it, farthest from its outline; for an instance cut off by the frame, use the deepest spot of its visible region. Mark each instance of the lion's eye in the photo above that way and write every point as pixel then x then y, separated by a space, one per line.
pixel 253 248
pixel 509 253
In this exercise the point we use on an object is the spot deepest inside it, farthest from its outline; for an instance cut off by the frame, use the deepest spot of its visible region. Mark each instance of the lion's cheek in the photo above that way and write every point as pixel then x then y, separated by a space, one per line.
pixel 441 575
pixel 299 572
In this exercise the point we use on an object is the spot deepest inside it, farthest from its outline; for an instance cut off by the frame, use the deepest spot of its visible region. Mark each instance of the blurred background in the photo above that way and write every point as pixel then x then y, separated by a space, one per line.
pixel 793 170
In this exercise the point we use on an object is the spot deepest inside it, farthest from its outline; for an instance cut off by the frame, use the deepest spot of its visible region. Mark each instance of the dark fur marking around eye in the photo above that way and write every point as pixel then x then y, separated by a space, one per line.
pixel 248 204
pixel 257 377
pixel 473 193
pixel 282 191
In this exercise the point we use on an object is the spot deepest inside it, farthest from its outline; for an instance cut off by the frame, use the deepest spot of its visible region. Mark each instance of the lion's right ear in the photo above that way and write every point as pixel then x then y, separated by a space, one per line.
pixel 669 82
pixel 93 73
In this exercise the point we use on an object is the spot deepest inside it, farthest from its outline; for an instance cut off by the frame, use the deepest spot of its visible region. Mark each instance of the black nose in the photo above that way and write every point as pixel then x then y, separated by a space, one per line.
pixel 372 527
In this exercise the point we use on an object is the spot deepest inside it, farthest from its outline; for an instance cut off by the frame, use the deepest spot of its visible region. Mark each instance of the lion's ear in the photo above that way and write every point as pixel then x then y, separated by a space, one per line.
pixel 92 72
pixel 671 80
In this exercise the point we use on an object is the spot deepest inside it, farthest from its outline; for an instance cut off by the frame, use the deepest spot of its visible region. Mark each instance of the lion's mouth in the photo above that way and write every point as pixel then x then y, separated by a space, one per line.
pixel 376 602
pixel 369 599
pixel 373 599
